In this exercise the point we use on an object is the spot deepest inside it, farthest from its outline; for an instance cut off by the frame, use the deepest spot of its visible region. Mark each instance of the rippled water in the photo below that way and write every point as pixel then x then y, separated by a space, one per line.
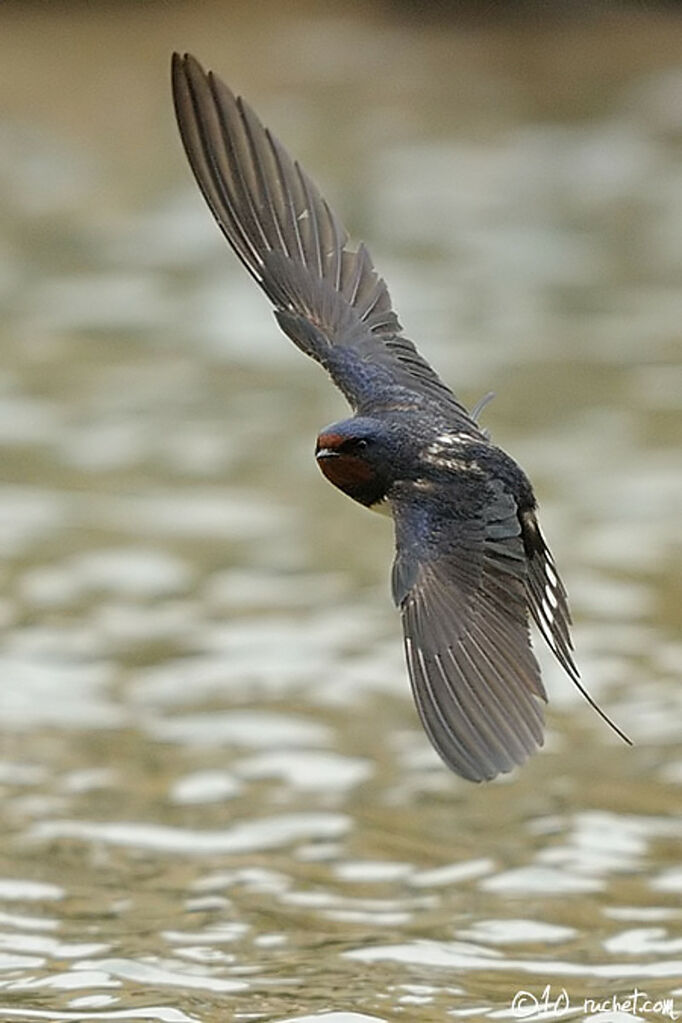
pixel 216 800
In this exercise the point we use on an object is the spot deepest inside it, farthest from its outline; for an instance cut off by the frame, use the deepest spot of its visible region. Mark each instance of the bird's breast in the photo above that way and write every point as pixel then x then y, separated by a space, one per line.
pixel 382 507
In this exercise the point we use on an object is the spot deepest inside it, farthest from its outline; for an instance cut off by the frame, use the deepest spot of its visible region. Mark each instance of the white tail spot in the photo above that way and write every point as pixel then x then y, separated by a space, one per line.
pixel 547 610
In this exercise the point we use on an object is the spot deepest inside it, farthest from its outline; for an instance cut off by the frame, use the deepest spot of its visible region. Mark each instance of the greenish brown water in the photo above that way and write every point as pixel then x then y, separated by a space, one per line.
pixel 216 801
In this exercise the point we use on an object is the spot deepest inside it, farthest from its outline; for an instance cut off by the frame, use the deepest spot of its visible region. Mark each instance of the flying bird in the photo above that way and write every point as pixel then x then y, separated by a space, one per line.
pixel 471 564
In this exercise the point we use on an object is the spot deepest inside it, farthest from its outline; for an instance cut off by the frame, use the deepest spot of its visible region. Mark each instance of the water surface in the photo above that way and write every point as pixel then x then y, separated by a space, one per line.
pixel 217 802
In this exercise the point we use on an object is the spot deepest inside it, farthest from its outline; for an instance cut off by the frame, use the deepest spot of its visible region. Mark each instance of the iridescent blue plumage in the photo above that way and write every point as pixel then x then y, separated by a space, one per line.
pixel 471 563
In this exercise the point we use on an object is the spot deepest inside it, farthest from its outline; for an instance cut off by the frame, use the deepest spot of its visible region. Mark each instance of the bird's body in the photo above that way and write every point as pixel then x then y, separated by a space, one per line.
pixel 471 564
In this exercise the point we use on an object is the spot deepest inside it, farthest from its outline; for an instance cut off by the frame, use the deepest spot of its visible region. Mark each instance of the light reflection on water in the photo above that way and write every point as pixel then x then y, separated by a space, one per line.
pixel 216 798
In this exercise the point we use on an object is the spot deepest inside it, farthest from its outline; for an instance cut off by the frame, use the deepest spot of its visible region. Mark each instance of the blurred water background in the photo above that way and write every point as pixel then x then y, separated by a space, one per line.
pixel 217 803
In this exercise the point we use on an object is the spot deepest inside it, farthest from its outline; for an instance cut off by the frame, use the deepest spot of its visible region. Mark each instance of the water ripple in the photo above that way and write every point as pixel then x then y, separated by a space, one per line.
pixel 266 833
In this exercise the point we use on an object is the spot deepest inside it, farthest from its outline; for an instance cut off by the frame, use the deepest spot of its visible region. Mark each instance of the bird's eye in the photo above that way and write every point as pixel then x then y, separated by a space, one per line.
pixel 353 445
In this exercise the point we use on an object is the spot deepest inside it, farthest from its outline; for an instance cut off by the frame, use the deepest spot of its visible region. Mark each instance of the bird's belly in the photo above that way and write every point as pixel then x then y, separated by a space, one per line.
pixel 383 507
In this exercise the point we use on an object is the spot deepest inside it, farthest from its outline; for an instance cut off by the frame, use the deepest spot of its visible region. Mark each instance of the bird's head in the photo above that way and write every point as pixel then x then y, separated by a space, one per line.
pixel 358 457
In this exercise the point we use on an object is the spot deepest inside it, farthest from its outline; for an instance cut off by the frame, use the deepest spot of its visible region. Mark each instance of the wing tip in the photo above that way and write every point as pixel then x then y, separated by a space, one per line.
pixel 182 64
pixel 186 69
pixel 468 746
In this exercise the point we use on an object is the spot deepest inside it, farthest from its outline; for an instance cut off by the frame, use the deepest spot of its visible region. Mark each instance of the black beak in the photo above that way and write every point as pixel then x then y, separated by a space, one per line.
pixel 323 453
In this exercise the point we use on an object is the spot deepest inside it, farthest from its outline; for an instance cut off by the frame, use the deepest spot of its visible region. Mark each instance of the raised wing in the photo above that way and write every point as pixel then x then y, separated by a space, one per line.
pixel 328 299
pixel 461 586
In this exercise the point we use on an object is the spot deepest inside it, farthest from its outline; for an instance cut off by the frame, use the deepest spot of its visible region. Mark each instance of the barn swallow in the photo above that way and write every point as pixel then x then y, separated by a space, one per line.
pixel 471 564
